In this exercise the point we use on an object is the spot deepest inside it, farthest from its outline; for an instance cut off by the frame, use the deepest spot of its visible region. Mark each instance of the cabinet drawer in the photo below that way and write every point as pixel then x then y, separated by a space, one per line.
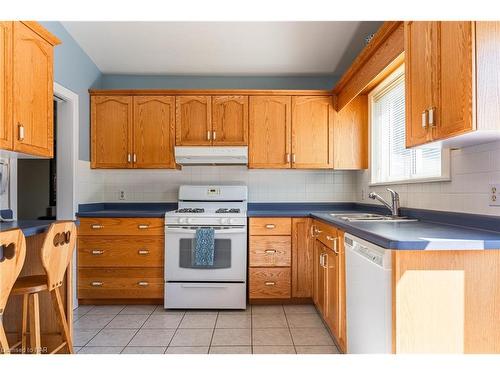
pixel 327 234
pixel 270 251
pixel 269 283
pixel 270 226
pixel 120 283
pixel 120 251
pixel 121 226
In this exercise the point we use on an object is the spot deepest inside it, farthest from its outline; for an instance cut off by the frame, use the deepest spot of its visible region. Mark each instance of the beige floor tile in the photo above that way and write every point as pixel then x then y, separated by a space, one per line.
pixel 271 336
pixel 187 350
pixel 81 311
pixel 77 348
pixel 201 312
pixel 267 309
pixel 269 321
pixel 230 350
pixel 93 321
pixel 152 337
pixel 304 321
pixel 138 309
pixel 101 350
pixel 192 337
pixel 289 349
pixel 127 321
pixel 311 336
pixel 299 309
pixel 198 321
pixel 82 336
pixel 144 350
pixel 113 337
pixel 247 311
pixel 160 310
pixel 163 321
pixel 106 309
pixel 234 321
pixel 320 349
pixel 232 336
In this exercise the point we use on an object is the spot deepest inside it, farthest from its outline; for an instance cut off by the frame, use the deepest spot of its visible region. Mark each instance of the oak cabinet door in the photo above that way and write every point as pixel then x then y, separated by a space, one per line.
pixel 331 310
pixel 230 120
pixel 269 132
pixel 302 258
pixel 6 85
pixel 421 79
pixel 350 135
pixel 154 123
pixel 312 132
pixel 111 131
pixel 32 92
pixel 319 295
pixel 193 121
pixel 456 71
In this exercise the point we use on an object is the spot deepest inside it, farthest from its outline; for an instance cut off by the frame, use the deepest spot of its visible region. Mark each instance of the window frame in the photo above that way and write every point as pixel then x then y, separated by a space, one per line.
pixel 445 152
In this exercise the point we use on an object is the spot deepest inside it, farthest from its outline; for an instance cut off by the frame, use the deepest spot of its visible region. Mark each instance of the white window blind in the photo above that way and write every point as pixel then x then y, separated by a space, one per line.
pixel 391 161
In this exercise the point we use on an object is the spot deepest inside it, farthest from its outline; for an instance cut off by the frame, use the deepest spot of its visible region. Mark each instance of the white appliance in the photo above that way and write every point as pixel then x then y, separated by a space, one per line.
pixel 369 297
pixel 223 284
pixel 186 155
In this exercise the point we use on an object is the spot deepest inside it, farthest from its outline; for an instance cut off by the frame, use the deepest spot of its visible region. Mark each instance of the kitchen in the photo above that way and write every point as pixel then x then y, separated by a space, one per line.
pixel 250 200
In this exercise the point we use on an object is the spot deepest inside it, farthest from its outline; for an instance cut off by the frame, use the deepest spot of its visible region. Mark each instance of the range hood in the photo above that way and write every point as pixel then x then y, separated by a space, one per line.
pixel 211 155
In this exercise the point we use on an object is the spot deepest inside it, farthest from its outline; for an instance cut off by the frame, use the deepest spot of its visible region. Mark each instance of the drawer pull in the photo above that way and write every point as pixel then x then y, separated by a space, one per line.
pixel 97 226
pixel 143 252
pixel 143 283
pixel 97 252
pixel 270 251
pixel 143 226
pixel 334 239
pixel 269 283
pixel 96 283
pixel 270 226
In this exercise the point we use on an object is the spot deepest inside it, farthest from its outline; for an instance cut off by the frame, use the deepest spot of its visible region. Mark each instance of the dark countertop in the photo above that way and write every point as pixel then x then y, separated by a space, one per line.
pixel 29 227
pixel 125 209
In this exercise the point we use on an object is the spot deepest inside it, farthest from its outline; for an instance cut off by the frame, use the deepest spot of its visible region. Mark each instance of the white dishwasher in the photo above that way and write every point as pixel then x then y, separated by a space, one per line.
pixel 369 297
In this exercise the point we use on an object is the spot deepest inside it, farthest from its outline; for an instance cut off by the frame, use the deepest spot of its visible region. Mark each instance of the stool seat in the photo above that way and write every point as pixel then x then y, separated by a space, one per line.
pixel 29 285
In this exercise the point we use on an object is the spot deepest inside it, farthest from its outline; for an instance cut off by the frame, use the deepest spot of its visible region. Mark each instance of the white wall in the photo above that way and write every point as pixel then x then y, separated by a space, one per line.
pixel 473 169
pixel 263 185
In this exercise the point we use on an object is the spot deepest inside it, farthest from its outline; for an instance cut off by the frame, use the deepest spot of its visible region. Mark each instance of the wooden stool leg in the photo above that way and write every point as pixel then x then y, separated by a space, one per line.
pixel 34 312
pixel 56 298
pixel 24 332
pixel 4 345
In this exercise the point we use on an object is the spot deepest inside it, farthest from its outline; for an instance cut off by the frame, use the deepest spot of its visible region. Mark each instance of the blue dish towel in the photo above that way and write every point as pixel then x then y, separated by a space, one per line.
pixel 204 248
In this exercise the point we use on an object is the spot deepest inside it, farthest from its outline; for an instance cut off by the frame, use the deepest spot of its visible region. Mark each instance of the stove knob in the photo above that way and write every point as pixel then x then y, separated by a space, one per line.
pixel 182 220
pixel 224 221
pixel 232 221
pixel 189 220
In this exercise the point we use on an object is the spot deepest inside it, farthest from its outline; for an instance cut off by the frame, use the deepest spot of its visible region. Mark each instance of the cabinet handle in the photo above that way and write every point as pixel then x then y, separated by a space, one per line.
pixel 270 226
pixel 325 261
pixel 208 135
pixel 287 155
pixel 313 230
pixel 21 132
pixel 135 158
pixel 293 158
pixel 97 226
pixel 97 283
pixel 214 135
pixel 431 117
pixel 270 251
pixel 143 283
pixel 129 158
pixel 143 226
pixel 143 252
pixel 424 119
pixel 269 283
pixel 321 259
pixel 317 231
pixel 97 252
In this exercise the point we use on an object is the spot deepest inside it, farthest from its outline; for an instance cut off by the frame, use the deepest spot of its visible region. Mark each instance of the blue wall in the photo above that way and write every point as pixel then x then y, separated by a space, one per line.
pixel 74 70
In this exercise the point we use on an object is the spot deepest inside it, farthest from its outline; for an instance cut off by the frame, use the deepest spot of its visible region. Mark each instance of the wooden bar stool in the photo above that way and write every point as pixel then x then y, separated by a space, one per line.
pixel 13 246
pixel 56 253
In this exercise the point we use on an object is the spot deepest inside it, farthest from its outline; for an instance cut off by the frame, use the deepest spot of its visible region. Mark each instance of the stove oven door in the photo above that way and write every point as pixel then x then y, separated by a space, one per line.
pixel 230 258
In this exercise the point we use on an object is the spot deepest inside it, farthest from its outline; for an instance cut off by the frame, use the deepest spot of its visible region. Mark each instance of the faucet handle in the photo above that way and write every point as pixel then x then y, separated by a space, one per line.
pixel 393 193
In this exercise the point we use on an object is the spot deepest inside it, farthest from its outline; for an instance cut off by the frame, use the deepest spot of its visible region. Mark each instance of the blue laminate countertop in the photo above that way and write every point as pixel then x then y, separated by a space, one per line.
pixel 125 209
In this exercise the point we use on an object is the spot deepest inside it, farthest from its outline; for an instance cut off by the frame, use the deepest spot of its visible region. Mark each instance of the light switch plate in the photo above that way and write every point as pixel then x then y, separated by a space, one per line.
pixel 494 194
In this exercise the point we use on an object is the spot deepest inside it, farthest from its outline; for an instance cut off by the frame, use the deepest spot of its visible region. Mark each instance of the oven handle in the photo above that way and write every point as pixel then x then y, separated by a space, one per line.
pixel 193 231
pixel 208 286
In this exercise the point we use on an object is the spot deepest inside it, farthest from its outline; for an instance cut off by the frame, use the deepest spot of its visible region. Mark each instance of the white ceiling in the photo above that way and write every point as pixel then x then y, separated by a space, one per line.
pixel 222 48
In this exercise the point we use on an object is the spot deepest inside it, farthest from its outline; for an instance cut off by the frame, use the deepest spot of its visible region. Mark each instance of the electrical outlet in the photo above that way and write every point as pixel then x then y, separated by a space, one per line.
pixel 495 194
pixel 122 195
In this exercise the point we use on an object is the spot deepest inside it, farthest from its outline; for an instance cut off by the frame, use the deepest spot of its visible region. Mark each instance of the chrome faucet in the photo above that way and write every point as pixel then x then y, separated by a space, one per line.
pixel 395 201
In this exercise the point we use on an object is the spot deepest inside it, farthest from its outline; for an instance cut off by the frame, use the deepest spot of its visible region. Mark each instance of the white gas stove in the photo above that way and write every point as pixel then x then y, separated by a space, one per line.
pixel 221 285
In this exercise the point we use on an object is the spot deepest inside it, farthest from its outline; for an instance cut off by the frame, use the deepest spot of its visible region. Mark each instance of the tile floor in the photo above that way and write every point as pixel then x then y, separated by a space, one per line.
pixel 148 329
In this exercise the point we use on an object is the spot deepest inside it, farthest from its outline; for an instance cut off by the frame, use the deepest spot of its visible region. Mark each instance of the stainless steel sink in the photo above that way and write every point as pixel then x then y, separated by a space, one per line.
pixel 371 217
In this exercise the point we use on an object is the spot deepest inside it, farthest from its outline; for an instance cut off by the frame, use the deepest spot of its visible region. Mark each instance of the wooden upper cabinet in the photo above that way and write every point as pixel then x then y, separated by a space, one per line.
pixel 312 132
pixel 230 120
pixel 456 57
pixel 421 79
pixel 111 131
pixel 6 85
pixel 350 135
pixel 154 124
pixel 32 92
pixel 193 121
pixel 269 132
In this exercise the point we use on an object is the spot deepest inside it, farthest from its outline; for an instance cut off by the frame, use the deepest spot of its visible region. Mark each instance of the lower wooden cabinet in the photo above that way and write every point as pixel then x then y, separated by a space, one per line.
pixel 302 258
pixel 269 282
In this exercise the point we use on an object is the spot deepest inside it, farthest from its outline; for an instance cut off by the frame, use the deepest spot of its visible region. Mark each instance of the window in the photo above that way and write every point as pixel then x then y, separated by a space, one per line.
pixel 391 161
